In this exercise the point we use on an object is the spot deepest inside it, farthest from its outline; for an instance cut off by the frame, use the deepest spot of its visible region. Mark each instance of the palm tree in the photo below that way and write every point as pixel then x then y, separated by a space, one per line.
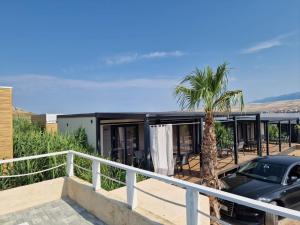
pixel 208 89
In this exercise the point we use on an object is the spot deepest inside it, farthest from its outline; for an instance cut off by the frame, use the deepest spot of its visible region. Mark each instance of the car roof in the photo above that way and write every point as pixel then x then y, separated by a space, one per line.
pixel 286 160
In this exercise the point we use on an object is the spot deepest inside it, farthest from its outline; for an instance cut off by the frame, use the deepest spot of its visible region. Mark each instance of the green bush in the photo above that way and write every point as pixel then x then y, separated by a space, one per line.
pixel 224 135
pixel 273 131
pixel 30 139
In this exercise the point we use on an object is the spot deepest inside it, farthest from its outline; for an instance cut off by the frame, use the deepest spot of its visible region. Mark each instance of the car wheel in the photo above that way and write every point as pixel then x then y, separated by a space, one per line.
pixel 271 219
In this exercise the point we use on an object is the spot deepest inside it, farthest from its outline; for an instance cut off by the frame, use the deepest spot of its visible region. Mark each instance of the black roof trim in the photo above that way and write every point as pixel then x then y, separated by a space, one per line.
pixel 77 115
pixel 249 116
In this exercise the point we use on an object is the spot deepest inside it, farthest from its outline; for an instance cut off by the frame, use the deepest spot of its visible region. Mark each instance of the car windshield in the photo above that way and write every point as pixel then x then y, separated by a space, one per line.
pixel 264 171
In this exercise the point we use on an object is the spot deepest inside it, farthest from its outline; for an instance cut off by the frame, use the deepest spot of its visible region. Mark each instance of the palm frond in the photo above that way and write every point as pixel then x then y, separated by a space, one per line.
pixel 205 86
pixel 220 79
pixel 184 96
pixel 229 99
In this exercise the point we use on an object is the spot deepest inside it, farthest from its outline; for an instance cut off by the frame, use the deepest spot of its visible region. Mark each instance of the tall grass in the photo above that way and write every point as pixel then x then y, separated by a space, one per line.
pixel 30 139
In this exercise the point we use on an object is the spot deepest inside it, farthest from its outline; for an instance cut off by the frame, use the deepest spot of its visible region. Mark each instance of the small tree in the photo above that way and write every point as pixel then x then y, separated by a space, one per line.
pixel 208 88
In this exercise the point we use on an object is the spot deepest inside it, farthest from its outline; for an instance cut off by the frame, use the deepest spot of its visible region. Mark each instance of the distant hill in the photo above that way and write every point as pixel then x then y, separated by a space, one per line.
pixel 275 106
pixel 291 96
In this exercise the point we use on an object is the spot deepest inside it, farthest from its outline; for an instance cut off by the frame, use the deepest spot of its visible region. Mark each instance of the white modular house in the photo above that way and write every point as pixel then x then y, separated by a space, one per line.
pixel 71 124
pixel 129 137
pixel 147 139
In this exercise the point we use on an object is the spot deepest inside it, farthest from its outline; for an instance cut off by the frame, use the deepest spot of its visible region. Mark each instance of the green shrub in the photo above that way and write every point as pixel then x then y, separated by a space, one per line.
pixel 273 131
pixel 224 135
pixel 30 139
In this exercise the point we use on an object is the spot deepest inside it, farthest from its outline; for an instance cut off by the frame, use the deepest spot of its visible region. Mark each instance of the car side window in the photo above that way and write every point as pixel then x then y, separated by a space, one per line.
pixel 295 172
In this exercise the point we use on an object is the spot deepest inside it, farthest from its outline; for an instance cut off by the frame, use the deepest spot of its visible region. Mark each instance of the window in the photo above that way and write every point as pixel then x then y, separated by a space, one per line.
pixel 186 141
pixel 264 171
pixel 183 136
pixel 295 172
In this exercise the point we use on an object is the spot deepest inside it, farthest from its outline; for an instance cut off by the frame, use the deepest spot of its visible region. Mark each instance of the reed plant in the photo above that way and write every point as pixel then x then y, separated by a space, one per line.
pixel 31 139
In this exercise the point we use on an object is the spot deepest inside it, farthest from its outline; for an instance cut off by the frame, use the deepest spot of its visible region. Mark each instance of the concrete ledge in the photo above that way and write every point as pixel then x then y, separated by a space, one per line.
pixel 105 206
pixel 165 201
pixel 27 196
pixel 158 203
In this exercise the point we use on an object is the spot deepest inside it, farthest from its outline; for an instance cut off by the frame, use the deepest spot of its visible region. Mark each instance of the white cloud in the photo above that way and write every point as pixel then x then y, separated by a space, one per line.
pixel 33 82
pixel 121 59
pixel 261 46
pixel 153 55
pixel 271 43
pixel 128 58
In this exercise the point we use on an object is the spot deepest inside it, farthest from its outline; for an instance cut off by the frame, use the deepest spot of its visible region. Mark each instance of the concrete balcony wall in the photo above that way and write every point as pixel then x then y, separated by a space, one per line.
pixel 110 207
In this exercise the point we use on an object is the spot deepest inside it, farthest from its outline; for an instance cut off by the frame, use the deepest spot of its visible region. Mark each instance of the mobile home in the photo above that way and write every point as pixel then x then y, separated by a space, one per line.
pixel 129 137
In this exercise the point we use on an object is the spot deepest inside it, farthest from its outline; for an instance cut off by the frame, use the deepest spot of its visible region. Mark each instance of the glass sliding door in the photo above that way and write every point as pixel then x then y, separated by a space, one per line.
pixel 186 138
pixel 183 137
pixel 118 144
pixel 124 143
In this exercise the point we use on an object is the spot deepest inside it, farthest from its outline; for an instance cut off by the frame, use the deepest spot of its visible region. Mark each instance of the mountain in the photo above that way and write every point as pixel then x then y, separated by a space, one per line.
pixel 275 106
pixel 291 96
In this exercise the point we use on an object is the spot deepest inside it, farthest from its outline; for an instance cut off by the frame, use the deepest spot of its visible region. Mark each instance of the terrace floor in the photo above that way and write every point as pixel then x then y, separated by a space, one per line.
pixel 226 162
pixel 59 212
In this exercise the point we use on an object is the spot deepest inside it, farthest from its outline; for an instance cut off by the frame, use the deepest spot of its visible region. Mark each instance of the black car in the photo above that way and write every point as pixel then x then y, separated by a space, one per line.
pixel 271 179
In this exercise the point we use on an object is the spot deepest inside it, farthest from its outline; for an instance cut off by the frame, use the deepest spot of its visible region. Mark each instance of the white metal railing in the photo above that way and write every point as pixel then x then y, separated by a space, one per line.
pixel 192 190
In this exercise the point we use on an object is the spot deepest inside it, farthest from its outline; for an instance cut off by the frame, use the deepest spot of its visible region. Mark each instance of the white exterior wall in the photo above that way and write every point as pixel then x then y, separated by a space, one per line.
pixel 69 125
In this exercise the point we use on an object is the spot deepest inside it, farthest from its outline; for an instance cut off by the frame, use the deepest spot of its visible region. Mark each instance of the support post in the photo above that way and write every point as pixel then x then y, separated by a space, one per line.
pixel 131 191
pixel 290 134
pixel 195 137
pixel 258 135
pixel 246 132
pixel 235 144
pixel 197 148
pixel 178 140
pixel 70 164
pixel 200 139
pixel 96 175
pixel 279 135
pixel 191 197
pixel 147 143
pixel 98 136
pixel 267 138
pixel 298 132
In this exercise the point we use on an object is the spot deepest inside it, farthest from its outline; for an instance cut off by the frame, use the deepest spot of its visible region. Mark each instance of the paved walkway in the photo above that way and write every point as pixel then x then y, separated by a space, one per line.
pixel 60 212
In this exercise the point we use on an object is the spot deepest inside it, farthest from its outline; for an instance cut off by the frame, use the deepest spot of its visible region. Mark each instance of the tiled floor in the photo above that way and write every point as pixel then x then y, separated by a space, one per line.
pixel 60 212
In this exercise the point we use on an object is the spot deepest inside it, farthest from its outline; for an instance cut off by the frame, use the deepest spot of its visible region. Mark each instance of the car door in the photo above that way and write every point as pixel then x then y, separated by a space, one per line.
pixel 291 192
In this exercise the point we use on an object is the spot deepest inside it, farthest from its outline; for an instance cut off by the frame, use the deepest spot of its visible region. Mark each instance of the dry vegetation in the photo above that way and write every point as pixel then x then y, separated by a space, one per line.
pixel 278 106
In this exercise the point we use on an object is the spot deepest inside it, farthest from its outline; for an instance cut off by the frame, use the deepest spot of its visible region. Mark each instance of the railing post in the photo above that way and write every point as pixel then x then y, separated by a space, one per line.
pixel 131 191
pixel 191 198
pixel 70 164
pixel 96 175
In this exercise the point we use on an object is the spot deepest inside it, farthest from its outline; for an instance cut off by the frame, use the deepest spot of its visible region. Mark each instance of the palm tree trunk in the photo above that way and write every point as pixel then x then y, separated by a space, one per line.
pixel 208 173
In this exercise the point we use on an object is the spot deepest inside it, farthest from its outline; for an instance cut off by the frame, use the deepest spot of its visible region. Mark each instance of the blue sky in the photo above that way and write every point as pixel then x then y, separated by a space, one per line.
pixel 86 56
